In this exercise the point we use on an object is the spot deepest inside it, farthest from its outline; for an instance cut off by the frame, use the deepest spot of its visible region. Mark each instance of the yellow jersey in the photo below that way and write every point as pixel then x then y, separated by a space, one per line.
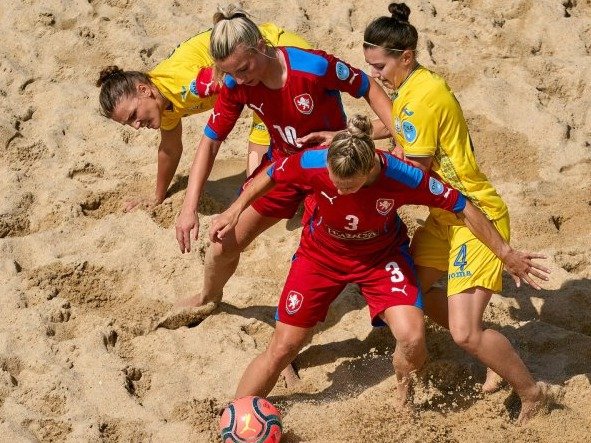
pixel 429 122
pixel 175 76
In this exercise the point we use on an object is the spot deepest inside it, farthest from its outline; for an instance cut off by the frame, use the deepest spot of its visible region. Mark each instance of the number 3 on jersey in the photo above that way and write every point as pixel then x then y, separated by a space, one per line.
pixel 289 135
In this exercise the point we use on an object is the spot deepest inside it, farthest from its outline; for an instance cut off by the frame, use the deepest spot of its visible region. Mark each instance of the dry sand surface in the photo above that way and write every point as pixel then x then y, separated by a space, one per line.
pixel 82 283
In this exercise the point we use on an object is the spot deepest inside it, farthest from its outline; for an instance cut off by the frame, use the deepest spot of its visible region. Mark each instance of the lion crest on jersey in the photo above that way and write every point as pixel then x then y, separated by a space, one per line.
pixel 384 205
pixel 304 103
pixel 293 302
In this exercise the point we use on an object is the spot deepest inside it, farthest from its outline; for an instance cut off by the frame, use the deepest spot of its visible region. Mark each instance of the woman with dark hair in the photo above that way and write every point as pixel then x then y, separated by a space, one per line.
pixel 431 129
pixel 181 85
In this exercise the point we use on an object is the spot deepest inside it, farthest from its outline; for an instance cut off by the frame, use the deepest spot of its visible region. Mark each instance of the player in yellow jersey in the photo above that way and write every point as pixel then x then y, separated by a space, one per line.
pixel 431 129
pixel 181 85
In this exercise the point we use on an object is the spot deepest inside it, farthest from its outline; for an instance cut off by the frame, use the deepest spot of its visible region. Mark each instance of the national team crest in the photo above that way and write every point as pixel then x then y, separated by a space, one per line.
pixel 384 205
pixel 294 302
pixel 304 103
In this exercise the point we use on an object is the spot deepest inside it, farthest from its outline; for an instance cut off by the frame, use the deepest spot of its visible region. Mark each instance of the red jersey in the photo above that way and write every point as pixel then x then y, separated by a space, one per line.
pixel 366 222
pixel 309 101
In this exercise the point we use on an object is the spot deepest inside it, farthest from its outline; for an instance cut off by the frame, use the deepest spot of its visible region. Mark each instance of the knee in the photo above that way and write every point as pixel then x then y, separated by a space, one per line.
pixel 226 249
pixel 282 353
pixel 465 337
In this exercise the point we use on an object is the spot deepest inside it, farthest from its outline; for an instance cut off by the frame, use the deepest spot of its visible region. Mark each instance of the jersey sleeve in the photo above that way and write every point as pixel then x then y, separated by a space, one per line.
pixel 335 74
pixel 425 188
pixel 226 111
pixel 418 126
pixel 288 170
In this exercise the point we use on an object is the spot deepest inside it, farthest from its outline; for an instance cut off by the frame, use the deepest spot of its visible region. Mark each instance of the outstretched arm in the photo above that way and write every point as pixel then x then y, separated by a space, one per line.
pixel 187 220
pixel 518 263
pixel 169 155
pixel 226 221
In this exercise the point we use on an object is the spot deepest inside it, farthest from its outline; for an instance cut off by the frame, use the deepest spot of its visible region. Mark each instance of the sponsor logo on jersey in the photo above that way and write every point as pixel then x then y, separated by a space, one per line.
pixel 409 131
pixel 384 205
pixel 343 71
pixel 258 109
pixel 351 235
pixel 407 111
pixel 435 186
pixel 398 125
pixel 304 103
pixel 294 302
pixel 184 92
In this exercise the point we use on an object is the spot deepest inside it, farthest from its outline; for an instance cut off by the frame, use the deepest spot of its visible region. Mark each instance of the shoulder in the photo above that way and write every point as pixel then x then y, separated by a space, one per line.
pixel 429 88
pixel 313 159
pixel 401 171
pixel 309 61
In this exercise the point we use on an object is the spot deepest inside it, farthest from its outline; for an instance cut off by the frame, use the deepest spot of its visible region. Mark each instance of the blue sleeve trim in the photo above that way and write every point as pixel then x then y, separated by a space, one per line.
pixel 402 172
pixel 460 203
pixel 229 81
pixel 307 62
pixel 271 170
pixel 314 159
pixel 364 84
pixel 210 133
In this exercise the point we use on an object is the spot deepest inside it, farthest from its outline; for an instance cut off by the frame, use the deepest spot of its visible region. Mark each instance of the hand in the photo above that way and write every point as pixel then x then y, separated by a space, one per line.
pixel 521 267
pixel 186 222
pixel 140 202
pixel 222 223
pixel 397 151
pixel 323 138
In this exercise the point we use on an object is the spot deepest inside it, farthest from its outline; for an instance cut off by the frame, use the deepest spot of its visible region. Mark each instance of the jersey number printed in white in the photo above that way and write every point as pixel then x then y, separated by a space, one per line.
pixel 289 135
pixel 353 222
pixel 396 276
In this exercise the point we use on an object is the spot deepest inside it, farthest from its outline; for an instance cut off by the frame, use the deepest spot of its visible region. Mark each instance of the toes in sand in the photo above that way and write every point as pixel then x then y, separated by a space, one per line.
pixel 548 396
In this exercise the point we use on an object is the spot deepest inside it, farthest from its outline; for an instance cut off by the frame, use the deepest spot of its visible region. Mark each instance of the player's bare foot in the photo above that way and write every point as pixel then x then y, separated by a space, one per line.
pixel 546 396
pixel 493 382
pixel 403 396
pixel 290 376
pixel 190 302
pixel 185 316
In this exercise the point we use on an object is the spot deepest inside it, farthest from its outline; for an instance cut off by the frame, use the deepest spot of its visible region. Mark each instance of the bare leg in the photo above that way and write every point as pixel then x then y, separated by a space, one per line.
pixel 407 326
pixel 221 259
pixel 262 373
pixel 436 308
pixel 255 155
pixel 492 348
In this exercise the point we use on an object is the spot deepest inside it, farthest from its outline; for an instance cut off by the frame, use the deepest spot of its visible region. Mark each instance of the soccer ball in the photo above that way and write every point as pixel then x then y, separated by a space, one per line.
pixel 250 420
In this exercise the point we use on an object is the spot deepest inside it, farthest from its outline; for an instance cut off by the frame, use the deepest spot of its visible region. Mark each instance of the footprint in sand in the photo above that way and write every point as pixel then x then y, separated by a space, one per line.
pixel 185 316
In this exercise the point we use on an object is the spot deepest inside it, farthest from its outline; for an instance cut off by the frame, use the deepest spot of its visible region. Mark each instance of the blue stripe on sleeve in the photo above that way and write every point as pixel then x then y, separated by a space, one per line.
pixel 402 172
pixel 314 159
pixel 210 133
pixel 364 85
pixel 460 203
pixel 271 170
pixel 230 81
pixel 307 62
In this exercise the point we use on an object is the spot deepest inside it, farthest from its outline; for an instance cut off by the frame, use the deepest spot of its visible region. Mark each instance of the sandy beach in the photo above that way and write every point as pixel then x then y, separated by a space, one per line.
pixel 83 284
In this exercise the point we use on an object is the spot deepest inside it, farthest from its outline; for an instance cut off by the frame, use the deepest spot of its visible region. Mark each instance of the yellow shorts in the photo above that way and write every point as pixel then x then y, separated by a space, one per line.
pixel 258 130
pixel 468 262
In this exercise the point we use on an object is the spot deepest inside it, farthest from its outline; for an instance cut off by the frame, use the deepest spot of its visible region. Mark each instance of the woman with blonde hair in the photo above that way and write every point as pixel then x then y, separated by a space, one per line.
pixel 294 91
pixel 354 235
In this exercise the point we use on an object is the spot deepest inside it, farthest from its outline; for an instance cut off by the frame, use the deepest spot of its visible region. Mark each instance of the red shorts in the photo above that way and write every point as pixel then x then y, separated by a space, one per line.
pixel 311 287
pixel 282 201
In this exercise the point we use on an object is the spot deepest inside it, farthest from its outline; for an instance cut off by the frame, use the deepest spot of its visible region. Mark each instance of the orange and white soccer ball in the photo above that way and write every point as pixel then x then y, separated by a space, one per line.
pixel 250 420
